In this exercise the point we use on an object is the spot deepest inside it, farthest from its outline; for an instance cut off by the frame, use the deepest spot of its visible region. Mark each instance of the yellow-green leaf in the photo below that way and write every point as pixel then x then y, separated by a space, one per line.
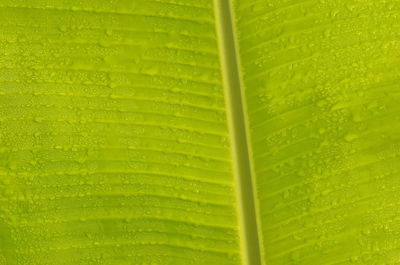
pixel 204 132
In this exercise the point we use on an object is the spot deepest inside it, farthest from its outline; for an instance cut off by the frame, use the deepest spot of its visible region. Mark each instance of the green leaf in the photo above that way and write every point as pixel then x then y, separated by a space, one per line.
pixel 168 132
pixel 322 95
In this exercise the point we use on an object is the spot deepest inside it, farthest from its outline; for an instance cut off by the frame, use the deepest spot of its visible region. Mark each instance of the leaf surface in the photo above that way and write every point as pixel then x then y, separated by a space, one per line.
pixel 199 132
pixel 320 80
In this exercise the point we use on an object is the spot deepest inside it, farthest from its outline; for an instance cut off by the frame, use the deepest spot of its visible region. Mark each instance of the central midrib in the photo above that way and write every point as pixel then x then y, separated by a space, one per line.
pixel 234 97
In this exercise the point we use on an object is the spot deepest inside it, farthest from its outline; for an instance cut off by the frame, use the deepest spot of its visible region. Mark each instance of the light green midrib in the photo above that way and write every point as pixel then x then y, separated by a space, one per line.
pixel 241 161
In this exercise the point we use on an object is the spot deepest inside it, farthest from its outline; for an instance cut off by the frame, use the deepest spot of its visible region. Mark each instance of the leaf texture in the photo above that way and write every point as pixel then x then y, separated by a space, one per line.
pixel 320 80
pixel 176 132
pixel 115 148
